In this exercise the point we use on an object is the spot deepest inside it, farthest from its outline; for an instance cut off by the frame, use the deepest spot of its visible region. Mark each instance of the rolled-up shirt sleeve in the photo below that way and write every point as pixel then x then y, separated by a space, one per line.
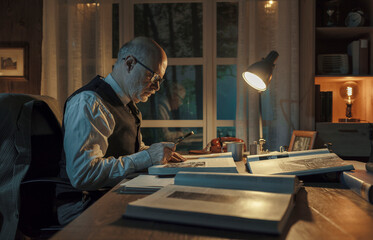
pixel 88 125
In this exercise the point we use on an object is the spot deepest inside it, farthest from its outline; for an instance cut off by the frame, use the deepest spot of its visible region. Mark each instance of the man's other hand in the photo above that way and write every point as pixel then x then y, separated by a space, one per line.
pixel 164 152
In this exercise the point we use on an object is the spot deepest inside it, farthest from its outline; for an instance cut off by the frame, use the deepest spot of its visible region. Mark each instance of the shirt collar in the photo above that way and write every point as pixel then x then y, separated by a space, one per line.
pixel 115 86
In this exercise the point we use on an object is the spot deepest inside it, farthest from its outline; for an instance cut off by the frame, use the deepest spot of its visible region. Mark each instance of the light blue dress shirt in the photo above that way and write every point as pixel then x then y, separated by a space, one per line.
pixel 88 125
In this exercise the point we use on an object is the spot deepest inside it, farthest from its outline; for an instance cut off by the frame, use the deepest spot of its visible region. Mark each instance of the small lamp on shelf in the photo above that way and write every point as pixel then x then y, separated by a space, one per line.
pixel 349 92
pixel 258 76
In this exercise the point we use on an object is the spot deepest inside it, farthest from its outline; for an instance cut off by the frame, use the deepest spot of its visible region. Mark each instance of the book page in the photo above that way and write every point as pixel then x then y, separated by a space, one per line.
pixel 212 155
pixel 319 163
pixel 150 181
pixel 198 165
pixel 219 208
pixel 247 204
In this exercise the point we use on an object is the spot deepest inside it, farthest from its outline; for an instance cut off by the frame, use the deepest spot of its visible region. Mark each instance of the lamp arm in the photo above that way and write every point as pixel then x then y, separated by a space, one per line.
pixel 260 116
pixel 262 141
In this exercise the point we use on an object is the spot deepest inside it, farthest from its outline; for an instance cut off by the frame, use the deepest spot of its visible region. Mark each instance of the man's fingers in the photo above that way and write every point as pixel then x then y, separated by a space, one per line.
pixel 175 157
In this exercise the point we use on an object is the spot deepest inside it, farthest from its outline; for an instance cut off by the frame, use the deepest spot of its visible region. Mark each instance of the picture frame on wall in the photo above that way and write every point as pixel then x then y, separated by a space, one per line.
pixel 14 61
pixel 302 140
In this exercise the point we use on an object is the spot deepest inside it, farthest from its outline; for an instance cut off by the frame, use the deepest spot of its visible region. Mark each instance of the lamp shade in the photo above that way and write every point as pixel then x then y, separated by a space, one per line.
pixel 259 74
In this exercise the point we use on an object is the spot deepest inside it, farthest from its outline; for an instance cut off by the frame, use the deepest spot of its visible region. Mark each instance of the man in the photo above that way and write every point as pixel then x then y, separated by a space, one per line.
pixel 102 138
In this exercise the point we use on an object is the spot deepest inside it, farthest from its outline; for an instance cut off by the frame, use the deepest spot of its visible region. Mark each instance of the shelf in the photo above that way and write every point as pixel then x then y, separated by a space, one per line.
pixel 340 78
pixel 342 32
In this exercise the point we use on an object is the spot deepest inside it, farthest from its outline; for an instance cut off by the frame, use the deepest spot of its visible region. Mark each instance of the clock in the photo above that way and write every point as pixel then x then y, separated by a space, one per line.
pixel 355 18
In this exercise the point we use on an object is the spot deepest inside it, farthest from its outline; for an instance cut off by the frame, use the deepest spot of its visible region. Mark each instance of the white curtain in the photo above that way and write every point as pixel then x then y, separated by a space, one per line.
pixel 72 46
pixel 266 26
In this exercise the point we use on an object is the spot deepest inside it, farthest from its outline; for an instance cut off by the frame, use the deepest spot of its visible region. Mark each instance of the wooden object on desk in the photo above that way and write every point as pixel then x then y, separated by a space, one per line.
pixel 322 211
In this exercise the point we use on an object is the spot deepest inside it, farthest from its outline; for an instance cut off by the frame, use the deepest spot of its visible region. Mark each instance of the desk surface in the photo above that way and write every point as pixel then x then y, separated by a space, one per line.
pixel 322 211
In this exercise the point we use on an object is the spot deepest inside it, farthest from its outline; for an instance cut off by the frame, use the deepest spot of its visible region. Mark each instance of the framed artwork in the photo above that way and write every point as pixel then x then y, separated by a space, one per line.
pixel 302 140
pixel 13 61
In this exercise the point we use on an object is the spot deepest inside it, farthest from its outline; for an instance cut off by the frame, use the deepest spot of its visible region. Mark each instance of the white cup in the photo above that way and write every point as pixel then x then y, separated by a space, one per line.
pixel 236 148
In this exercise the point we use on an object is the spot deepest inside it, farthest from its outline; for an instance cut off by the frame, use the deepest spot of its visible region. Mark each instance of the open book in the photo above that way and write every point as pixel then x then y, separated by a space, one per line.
pixel 300 165
pixel 245 210
pixel 274 155
pixel 210 155
pixel 226 165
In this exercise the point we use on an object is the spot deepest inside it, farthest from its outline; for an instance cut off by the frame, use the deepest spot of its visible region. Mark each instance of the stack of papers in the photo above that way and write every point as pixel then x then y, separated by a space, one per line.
pixel 145 184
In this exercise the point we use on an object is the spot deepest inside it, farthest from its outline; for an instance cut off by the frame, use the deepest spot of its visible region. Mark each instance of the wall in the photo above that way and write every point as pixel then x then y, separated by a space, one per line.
pixel 22 21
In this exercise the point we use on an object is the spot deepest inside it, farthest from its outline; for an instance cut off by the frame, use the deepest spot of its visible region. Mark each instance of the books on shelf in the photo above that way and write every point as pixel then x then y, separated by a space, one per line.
pixel 245 210
pixel 274 155
pixel 145 184
pixel 359 181
pixel 225 164
pixel 300 165
pixel 358 50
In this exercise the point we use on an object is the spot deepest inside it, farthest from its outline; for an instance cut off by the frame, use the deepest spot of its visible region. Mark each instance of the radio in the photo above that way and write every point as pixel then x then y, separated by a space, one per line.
pixel 332 64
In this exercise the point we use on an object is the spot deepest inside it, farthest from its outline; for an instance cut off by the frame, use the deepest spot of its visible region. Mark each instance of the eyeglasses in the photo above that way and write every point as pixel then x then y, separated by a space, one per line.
pixel 155 77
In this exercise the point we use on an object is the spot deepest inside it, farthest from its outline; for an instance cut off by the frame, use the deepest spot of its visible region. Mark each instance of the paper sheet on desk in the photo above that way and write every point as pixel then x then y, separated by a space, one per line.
pixel 145 184
pixel 211 155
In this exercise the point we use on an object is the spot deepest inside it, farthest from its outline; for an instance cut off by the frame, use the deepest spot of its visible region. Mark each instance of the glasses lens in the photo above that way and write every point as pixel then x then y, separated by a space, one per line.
pixel 156 79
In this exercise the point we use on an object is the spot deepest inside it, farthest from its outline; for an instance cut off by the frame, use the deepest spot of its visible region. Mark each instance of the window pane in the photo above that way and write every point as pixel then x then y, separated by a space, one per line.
pixel 226 29
pixel 177 27
pixel 226 132
pixel 180 96
pixel 154 135
pixel 226 92
pixel 115 30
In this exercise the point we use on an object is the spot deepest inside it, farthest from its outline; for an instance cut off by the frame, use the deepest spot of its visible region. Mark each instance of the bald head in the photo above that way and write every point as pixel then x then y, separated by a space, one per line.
pixel 138 61
pixel 143 48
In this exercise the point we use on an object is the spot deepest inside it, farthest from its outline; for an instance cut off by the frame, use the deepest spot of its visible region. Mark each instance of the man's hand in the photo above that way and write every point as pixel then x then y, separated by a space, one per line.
pixel 164 152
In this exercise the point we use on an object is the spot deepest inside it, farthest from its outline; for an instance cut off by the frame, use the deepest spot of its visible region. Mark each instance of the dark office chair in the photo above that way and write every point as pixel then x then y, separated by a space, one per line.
pixel 30 153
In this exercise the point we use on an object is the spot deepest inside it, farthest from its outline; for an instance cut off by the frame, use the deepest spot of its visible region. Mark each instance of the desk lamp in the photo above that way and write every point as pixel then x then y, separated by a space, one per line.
pixel 258 76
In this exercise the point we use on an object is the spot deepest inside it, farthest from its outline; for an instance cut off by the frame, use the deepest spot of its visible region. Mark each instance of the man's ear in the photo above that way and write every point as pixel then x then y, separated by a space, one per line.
pixel 129 63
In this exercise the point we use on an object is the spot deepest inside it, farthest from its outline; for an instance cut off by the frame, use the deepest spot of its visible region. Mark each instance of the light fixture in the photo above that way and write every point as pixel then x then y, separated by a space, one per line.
pixel 349 92
pixel 258 76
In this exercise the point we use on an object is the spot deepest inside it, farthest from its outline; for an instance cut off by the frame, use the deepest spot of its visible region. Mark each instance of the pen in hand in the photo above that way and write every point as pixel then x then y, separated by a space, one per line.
pixel 182 138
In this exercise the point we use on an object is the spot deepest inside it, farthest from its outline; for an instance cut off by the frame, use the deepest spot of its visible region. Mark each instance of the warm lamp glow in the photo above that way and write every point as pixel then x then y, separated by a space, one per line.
pixel 254 81
pixel 349 91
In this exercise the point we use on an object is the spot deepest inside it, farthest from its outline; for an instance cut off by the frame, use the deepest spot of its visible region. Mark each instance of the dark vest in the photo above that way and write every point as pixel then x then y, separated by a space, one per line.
pixel 126 137
pixel 125 140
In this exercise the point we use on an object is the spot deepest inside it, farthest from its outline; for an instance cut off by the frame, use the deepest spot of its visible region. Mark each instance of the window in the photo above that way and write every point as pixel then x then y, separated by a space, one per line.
pixel 200 39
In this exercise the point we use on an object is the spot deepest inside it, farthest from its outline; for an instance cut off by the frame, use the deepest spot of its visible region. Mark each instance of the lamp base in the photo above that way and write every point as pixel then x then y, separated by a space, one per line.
pixel 341 120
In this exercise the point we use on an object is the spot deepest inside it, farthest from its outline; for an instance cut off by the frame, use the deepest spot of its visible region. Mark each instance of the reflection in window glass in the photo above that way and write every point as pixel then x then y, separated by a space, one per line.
pixel 226 132
pixel 226 92
pixel 177 27
pixel 154 135
pixel 180 96
pixel 226 29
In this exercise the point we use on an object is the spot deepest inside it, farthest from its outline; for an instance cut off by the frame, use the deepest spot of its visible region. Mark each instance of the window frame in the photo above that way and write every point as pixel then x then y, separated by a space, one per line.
pixel 209 60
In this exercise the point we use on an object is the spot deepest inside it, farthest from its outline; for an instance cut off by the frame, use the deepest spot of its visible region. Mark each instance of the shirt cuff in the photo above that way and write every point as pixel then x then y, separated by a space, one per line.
pixel 141 160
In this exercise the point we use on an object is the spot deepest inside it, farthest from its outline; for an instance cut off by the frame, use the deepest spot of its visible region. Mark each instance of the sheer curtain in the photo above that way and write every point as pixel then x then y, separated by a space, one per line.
pixel 72 46
pixel 266 26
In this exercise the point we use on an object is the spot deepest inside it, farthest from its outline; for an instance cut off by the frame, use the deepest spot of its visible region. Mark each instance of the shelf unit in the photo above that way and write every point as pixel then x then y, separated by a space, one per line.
pixel 315 39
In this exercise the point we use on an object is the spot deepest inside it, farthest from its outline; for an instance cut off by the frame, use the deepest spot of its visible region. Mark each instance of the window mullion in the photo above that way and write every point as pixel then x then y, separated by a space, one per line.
pixel 209 74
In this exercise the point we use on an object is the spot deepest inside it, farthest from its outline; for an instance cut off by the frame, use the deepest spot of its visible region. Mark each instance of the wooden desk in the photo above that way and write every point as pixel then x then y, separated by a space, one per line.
pixel 322 211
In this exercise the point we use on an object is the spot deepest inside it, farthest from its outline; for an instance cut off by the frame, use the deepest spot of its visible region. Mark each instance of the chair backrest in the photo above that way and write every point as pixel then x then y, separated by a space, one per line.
pixel 31 147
